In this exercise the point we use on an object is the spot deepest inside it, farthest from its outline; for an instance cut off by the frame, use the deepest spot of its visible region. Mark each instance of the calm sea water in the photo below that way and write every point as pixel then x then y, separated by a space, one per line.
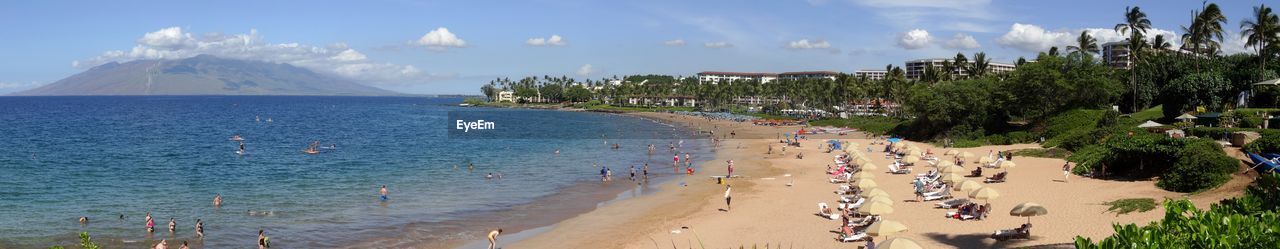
pixel 102 157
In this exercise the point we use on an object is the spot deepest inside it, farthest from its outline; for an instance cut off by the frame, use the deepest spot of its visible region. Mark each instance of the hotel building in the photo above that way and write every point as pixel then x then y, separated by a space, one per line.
pixel 714 77
pixel 1116 54
pixel 871 74
pixel 915 68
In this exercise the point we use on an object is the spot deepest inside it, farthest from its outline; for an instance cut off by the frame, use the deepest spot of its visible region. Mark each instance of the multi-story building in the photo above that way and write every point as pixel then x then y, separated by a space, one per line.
pixel 831 75
pixel 1116 54
pixel 871 74
pixel 717 77
pixel 915 68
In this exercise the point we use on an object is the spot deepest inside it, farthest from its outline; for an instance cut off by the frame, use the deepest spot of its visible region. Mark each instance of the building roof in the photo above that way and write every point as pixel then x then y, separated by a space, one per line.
pixel 737 73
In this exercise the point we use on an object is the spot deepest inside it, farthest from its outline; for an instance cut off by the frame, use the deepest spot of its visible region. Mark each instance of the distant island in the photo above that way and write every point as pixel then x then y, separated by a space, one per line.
pixel 202 75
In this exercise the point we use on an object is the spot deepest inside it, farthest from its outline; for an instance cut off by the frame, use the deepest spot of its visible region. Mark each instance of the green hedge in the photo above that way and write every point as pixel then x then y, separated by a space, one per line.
pixel 1267 143
pixel 1198 169
pixel 1250 221
pixel 872 124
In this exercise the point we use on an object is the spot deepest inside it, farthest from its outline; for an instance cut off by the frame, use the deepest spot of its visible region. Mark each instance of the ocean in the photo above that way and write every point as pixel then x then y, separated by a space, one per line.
pixel 107 157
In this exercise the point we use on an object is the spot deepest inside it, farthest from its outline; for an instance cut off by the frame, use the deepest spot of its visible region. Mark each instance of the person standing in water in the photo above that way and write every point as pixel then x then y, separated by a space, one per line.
pixel 164 244
pixel 730 175
pixel 646 171
pixel 262 240
pixel 173 225
pixel 493 238
pixel 200 228
pixel 383 193
pixel 217 200
pixel 151 224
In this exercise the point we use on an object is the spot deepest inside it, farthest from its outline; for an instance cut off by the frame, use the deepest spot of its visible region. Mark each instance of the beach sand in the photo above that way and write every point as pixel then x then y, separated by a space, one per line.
pixel 766 211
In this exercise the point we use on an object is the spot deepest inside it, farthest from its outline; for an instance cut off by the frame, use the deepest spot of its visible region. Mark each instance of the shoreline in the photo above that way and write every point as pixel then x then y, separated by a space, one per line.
pixel 777 214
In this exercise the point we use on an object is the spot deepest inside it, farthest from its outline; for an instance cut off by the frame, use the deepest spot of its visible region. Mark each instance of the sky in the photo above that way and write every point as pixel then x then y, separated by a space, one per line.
pixel 453 47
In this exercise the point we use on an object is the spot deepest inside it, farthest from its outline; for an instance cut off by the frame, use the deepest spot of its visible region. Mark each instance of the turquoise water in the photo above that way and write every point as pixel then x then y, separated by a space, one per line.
pixel 102 157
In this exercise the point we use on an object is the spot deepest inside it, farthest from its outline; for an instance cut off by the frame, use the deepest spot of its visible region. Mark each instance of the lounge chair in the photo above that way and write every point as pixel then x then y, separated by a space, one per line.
pixel 822 212
pixel 943 195
pixel 1023 232
pixel 999 177
pixel 977 172
pixel 853 238
pixel 953 203
pixel 895 170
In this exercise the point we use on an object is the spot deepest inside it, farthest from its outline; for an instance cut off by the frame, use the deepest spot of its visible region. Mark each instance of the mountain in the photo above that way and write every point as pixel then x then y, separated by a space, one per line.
pixel 202 75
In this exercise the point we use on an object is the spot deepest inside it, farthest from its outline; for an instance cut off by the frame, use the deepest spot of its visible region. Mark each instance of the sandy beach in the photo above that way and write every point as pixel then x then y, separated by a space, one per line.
pixel 768 211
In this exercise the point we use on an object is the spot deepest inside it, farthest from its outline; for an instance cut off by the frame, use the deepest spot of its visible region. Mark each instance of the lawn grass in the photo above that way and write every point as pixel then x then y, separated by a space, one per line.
pixel 1059 153
pixel 1125 206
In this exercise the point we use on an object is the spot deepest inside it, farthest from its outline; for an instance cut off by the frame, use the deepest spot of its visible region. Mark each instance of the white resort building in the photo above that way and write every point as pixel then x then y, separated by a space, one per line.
pixel 714 77
pixel 871 74
pixel 915 68
pixel 1116 54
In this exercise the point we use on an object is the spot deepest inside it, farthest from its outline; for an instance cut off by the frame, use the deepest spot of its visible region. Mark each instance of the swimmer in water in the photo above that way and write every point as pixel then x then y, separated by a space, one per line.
pixel 173 225
pixel 383 193
pixel 217 200
pixel 199 228
pixel 84 220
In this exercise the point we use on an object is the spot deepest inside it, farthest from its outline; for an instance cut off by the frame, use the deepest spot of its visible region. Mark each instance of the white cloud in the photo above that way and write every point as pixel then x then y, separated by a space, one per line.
pixel 586 70
pixel 944 4
pixel 954 15
pixel 674 43
pixel 962 42
pixel 717 45
pixel 1032 38
pixel 806 44
pixel 1234 44
pixel 440 39
pixel 337 58
pixel 966 27
pixel 914 39
pixel 554 40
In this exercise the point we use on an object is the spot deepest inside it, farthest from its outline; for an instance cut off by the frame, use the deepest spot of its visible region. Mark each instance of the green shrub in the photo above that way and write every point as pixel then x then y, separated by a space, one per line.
pixel 1109 118
pixel 1198 169
pixel 1088 158
pixel 1021 137
pixel 1268 143
pixel 1045 153
pixel 998 139
pixel 1070 121
pixel 1250 221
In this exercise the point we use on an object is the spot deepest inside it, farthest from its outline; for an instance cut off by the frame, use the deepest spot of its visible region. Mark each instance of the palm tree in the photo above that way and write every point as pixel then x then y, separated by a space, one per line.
pixel 961 63
pixel 1206 25
pixel 1159 43
pixel 980 64
pixel 1136 23
pixel 1053 51
pixel 1261 31
pixel 1085 45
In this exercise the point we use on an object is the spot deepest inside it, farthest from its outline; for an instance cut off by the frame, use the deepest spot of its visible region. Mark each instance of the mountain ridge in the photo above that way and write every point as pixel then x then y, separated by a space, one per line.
pixel 202 75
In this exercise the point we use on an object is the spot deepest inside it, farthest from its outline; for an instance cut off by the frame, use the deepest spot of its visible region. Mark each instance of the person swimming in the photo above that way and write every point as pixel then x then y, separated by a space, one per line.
pixel 263 240
pixel 199 229
pixel 84 220
pixel 217 200
pixel 489 176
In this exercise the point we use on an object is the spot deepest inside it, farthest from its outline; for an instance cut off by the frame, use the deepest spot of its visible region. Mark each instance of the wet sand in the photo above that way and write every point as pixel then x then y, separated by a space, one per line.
pixel 766 211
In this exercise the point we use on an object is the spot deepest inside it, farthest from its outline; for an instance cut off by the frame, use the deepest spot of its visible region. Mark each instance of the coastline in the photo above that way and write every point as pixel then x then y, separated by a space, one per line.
pixel 768 212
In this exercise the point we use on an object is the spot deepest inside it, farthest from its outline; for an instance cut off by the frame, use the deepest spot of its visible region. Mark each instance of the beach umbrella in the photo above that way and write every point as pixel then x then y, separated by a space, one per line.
pixel 950 169
pixel 899 243
pixel 984 193
pixel 1006 164
pixel 880 198
pixel 1028 209
pixel 951 153
pixel 885 228
pixel 952 177
pixel 944 163
pixel 1150 124
pixel 875 192
pixel 968 186
pixel 875 208
pixel 910 159
pixel 894 140
pixel 861 161
pixel 863 175
pixel 900 145
pixel 864 183
pixel 966 155
pixel 870 166
pixel 984 160
pixel 1186 117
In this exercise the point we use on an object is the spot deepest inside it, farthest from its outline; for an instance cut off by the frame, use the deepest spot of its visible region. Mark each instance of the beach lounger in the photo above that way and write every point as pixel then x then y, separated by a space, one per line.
pixel 1023 232
pixel 822 212
pixel 943 195
pixel 999 177
pixel 854 238
pixel 952 214
pixel 953 203
pixel 895 170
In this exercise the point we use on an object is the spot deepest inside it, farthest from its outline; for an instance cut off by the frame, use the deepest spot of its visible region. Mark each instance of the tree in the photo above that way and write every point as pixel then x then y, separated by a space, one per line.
pixel 1192 90
pixel 1261 31
pixel 1206 25
pixel 980 65
pixel 1136 23
pixel 552 92
pixel 1160 43
pixel 1053 51
pixel 1085 45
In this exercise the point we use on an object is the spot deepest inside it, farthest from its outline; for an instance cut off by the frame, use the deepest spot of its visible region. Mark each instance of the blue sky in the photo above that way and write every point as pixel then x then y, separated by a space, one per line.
pixel 400 45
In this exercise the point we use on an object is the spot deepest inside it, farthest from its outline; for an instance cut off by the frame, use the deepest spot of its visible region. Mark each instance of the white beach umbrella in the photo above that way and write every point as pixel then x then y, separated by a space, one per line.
pixel 885 228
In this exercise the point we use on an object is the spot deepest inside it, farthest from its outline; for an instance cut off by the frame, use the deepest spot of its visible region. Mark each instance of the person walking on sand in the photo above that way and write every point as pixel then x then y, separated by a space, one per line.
pixel 383 193
pixel 730 175
pixel 728 199
pixel 1066 171
pixel 493 238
